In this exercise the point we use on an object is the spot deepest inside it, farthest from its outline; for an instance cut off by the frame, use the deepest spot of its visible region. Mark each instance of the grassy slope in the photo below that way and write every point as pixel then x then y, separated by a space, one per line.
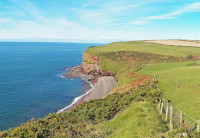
pixel 179 81
pixel 138 120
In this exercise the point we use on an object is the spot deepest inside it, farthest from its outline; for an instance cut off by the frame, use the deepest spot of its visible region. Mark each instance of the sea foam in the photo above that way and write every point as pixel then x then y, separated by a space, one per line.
pixel 77 98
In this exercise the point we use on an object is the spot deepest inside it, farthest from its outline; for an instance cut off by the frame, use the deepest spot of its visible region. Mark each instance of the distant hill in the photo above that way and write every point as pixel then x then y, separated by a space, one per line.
pixel 193 43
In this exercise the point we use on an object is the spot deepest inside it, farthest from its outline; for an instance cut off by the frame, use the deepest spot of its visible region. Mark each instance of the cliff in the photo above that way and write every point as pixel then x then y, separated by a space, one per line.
pixel 90 69
pixel 91 65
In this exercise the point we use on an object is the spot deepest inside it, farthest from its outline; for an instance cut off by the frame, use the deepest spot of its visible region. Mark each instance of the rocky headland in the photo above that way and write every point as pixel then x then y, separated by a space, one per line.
pixel 101 81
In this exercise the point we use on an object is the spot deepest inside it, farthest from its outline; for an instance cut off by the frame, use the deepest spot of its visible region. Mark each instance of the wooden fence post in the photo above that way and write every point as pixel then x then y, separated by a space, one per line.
pixel 159 103
pixel 161 109
pixel 167 110
pixel 171 118
pixel 164 104
pixel 198 126
pixel 181 119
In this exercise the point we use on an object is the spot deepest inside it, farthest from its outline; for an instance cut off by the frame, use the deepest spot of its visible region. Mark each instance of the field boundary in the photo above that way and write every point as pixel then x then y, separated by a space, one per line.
pixel 175 117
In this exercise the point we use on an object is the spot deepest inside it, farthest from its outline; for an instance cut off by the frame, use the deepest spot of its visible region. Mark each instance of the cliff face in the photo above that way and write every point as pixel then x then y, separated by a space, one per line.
pixel 89 70
pixel 91 65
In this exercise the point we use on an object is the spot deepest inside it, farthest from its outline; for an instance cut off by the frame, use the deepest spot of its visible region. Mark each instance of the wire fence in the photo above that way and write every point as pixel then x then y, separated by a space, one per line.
pixel 175 117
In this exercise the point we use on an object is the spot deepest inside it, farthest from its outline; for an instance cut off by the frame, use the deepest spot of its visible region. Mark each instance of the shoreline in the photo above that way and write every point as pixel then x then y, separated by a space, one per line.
pixel 78 99
pixel 100 86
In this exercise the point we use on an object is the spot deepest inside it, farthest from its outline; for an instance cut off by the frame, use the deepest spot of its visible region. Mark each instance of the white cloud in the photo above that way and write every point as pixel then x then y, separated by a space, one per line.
pixel 102 19
pixel 28 8
pixel 108 12
pixel 139 22
pixel 4 20
pixel 62 30
pixel 194 7
pixel 41 27
pixel 121 7
pixel 52 29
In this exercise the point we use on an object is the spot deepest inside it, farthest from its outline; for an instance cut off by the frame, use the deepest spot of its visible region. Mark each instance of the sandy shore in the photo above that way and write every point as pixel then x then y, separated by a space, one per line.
pixel 102 87
pixel 190 43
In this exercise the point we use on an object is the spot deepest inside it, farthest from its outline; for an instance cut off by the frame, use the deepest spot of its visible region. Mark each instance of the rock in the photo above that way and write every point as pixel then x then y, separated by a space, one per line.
pixel 88 70
pixel 77 72
pixel 90 64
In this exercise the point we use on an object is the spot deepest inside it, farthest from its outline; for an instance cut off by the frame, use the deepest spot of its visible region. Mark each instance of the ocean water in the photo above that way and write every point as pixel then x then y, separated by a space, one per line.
pixel 30 82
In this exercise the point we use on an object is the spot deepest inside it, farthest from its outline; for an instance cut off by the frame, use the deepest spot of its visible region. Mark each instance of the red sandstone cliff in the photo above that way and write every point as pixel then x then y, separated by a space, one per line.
pixel 91 64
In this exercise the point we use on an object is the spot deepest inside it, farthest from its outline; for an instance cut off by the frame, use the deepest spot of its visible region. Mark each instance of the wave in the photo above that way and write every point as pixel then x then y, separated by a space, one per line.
pixel 77 98
pixel 62 76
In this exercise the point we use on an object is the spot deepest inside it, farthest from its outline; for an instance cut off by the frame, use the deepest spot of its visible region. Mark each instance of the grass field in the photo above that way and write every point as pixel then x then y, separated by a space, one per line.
pixel 178 80
pixel 145 47
pixel 180 83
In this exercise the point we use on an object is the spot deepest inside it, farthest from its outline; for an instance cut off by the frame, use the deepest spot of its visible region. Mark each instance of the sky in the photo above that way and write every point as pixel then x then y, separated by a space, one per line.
pixel 98 20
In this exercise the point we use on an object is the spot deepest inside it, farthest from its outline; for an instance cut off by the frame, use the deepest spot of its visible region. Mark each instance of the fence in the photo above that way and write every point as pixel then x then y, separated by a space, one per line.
pixel 175 117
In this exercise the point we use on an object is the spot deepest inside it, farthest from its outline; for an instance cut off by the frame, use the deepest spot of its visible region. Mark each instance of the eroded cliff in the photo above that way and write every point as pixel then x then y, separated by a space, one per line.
pixel 91 65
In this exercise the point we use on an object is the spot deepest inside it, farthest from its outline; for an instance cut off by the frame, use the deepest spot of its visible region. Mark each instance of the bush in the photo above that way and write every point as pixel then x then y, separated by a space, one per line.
pixel 74 123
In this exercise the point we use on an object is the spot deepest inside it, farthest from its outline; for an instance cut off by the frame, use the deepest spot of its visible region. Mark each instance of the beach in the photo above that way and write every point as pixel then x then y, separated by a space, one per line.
pixel 100 87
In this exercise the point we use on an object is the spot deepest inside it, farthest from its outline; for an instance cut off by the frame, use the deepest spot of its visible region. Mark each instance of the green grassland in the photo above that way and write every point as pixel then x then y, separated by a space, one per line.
pixel 175 70
pixel 177 74
pixel 144 47
pixel 180 83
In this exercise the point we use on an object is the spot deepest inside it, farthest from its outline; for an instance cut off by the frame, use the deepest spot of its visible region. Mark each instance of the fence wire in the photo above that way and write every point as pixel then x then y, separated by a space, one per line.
pixel 187 122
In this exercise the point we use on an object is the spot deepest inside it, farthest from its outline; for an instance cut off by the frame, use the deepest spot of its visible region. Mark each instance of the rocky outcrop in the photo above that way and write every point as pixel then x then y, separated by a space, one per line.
pixel 77 72
pixel 90 69
pixel 91 64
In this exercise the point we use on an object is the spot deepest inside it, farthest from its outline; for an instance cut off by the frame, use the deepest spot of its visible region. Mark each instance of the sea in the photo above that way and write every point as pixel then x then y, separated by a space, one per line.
pixel 31 82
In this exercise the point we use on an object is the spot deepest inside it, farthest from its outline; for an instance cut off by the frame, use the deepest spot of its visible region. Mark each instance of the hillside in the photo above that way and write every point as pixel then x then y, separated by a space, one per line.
pixel 131 110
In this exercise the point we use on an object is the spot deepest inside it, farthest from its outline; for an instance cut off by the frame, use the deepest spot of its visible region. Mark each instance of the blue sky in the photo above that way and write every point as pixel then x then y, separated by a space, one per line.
pixel 98 20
